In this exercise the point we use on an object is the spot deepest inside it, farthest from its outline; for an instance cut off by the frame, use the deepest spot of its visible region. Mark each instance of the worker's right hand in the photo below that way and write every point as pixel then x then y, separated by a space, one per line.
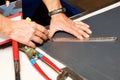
pixel 27 32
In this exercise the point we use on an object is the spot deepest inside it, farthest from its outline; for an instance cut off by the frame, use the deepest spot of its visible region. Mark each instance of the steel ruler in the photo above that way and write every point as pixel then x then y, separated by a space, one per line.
pixel 92 39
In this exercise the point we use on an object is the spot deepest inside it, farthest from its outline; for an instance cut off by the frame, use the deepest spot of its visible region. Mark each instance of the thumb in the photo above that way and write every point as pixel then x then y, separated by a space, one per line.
pixel 51 33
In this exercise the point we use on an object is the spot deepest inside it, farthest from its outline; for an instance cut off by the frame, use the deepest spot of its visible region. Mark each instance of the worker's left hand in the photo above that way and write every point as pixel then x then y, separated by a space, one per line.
pixel 60 22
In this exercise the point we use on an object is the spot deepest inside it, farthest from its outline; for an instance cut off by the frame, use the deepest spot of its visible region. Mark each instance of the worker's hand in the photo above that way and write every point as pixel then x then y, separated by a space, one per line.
pixel 27 32
pixel 63 23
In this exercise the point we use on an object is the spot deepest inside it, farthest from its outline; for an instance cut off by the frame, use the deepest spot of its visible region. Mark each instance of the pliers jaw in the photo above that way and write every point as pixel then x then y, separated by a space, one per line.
pixel 64 73
pixel 67 72
pixel 30 52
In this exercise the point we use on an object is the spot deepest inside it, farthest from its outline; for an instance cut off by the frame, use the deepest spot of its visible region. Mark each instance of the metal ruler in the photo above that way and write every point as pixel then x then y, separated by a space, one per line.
pixel 92 39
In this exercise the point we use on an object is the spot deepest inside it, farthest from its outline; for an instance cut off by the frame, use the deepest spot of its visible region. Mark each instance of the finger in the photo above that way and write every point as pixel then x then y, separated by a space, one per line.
pixel 31 44
pixel 85 29
pixel 75 32
pixel 42 29
pixel 51 33
pixel 84 34
pixel 82 23
pixel 81 33
pixel 41 35
pixel 78 35
pixel 37 39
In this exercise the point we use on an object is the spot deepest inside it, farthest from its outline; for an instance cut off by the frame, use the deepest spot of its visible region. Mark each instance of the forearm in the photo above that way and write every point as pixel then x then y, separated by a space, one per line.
pixel 52 4
pixel 4 28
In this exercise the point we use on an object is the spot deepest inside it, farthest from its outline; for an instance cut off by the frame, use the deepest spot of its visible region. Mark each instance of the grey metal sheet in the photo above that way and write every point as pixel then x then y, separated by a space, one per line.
pixel 94 61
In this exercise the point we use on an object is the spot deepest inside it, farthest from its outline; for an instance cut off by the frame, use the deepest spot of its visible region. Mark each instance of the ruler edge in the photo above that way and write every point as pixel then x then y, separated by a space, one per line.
pixel 112 39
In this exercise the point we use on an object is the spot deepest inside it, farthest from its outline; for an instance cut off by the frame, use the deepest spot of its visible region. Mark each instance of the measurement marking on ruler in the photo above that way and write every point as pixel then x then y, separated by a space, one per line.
pixel 92 39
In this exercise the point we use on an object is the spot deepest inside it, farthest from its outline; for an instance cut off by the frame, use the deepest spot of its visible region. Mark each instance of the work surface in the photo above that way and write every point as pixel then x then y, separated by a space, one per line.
pixel 93 60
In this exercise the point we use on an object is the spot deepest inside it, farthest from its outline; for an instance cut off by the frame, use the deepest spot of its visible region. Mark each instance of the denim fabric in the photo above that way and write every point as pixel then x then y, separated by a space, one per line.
pixel 29 7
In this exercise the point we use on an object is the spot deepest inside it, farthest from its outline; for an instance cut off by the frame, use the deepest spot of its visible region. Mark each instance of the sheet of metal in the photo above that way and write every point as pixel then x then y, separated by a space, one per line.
pixel 94 61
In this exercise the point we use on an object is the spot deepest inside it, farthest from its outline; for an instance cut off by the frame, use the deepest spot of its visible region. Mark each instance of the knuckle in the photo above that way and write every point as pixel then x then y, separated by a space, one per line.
pixel 41 41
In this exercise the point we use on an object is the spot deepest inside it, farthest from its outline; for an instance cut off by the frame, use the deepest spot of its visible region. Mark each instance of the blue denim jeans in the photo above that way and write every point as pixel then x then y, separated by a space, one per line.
pixel 29 7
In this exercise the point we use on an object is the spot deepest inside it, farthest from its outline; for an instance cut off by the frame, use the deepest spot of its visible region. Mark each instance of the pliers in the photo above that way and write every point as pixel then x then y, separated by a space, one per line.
pixel 63 74
pixel 16 59
pixel 33 55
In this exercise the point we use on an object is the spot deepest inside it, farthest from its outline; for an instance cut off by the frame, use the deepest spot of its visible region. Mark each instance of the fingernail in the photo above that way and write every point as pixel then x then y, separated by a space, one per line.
pixel 81 37
pixel 90 31
pixel 88 26
pixel 86 35
pixel 49 37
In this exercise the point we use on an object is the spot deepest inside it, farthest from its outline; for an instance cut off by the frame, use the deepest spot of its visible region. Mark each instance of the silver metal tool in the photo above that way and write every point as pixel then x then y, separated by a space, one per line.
pixel 92 39
pixel 67 72
pixel 63 73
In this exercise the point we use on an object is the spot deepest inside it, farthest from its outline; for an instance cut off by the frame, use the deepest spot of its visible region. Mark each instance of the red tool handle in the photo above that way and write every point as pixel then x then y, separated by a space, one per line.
pixel 41 71
pixel 34 63
pixel 15 50
pixel 50 63
pixel 16 59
